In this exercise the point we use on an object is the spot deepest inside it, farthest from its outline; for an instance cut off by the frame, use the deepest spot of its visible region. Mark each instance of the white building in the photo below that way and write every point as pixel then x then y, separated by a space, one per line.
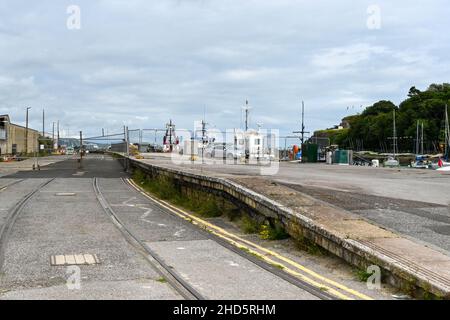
pixel 257 144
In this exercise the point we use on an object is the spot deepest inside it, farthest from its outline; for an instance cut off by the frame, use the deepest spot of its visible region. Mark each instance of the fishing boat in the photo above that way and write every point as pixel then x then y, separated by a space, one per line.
pixel 170 139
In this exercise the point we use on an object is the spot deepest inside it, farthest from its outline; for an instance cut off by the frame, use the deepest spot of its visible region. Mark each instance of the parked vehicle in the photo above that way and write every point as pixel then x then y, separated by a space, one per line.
pixel 222 150
pixel 70 151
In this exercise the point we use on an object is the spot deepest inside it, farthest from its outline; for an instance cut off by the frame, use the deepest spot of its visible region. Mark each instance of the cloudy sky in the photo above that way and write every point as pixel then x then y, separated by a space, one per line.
pixel 141 62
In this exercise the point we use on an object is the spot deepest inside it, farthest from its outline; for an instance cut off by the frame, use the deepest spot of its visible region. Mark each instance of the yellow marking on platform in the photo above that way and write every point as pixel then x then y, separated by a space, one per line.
pixel 221 232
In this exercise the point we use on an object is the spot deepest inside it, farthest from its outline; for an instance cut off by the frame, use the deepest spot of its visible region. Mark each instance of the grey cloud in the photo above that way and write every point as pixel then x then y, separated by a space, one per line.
pixel 143 62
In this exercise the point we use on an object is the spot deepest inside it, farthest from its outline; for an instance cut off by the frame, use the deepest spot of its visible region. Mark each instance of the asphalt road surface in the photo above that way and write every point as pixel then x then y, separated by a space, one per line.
pixel 413 202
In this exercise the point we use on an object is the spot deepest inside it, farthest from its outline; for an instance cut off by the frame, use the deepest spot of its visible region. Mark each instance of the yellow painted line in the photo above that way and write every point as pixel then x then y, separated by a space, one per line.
pixel 191 218
pixel 270 252
pixel 3 189
pixel 296 274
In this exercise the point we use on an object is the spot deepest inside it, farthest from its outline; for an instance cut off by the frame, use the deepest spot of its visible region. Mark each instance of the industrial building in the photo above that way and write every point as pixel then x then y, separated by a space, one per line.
pixel 13 138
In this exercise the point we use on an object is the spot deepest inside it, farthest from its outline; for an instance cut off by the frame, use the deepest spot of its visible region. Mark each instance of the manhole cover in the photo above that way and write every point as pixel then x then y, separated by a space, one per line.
pixel 74 259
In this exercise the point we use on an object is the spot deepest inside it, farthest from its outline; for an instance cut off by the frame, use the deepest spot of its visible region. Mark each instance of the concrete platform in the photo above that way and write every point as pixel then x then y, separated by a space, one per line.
pixel 361 242
pixel 222 274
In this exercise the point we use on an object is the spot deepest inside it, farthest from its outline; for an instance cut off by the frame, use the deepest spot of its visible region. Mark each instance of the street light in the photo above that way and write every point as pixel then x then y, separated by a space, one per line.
pixel 26 132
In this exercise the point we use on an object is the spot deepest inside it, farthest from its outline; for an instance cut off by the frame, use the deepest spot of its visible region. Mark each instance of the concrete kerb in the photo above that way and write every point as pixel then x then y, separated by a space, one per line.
pixel 299 226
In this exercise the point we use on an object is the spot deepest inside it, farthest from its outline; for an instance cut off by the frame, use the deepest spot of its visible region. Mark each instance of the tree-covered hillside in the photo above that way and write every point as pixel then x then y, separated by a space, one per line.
pixel 372 129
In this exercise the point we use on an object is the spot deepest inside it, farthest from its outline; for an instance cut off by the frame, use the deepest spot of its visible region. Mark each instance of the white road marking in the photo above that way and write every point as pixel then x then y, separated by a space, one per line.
pixel 147 211
pixel 179 232
pixel 232 263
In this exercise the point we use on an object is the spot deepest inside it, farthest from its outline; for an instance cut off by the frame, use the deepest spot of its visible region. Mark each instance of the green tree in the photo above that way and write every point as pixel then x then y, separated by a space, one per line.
pixel 374 125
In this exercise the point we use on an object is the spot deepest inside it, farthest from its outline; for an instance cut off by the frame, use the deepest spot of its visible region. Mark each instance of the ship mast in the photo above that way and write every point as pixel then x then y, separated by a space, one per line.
pixel 395 137
pixel 447 133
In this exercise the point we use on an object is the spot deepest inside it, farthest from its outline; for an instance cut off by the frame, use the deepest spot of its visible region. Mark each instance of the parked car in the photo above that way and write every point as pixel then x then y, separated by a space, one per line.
pixel 222 150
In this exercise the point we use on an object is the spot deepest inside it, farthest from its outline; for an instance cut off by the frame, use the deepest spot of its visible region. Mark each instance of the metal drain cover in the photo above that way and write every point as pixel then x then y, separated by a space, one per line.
pixel 74 259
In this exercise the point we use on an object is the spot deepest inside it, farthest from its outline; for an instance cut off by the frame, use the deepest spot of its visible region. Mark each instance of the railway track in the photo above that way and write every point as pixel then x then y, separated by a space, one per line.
pixel 13 213
pixel 241 247
pixel 6 186
pixel 176 280
pixel 281 266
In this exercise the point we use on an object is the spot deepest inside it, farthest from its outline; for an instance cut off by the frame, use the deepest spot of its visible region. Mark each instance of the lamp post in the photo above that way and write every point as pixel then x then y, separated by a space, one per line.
pixel 26 132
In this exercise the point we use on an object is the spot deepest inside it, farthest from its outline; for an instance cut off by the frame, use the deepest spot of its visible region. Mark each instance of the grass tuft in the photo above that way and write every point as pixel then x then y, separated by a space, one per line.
pixel 205 204
pixel 362 275
pixel 162 280
pixel 249 225
pixel 166 189
pixel 273 232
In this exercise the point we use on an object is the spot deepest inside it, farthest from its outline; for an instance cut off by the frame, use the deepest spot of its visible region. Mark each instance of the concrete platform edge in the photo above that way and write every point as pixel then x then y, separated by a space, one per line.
pixel 351 250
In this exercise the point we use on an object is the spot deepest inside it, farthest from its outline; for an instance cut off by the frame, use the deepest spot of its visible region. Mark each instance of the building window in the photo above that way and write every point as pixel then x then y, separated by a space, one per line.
pixel 2 129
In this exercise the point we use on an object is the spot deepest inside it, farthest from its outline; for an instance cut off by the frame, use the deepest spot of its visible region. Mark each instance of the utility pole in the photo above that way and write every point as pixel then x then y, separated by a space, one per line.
pixel 53 137
pixel 203 139
pixel 81 150
pixel 43 123
pixel 127 146
pixel 303 122
pixel 246 109
pixel 302 132
pixel 26 132
pixel 192 149
pixel 235 147
pixel 170 135
pixel 246 146
pixel 57 136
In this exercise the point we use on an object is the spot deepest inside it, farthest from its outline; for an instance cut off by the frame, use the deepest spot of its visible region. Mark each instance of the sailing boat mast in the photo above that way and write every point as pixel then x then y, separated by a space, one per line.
pixel 395 137
pixel 417 138
pixel 422 139
pixel 447 133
